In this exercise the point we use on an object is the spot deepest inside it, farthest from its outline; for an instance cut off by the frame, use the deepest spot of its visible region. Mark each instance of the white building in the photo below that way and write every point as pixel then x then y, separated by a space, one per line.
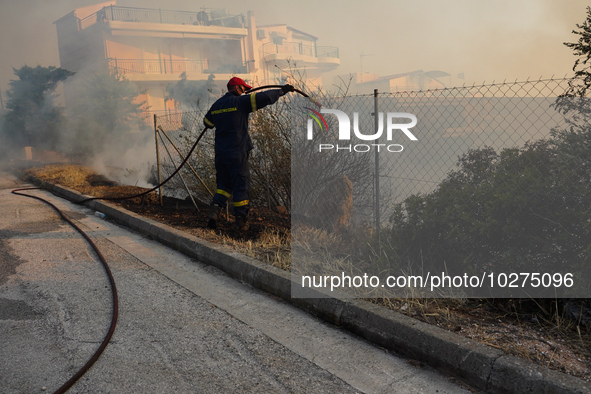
pixel 153 47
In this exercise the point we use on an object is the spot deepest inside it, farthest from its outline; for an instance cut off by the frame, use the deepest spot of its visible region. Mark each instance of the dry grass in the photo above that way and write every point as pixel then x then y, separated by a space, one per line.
pixel 550 340
pixel 67 175
pixel 270 246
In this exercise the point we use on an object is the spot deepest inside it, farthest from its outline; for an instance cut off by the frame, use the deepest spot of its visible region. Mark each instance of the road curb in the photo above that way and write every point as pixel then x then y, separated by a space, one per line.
pixel 483 367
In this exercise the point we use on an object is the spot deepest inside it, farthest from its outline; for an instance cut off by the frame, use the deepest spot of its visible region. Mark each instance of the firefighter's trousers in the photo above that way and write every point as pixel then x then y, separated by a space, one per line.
pixel 233 180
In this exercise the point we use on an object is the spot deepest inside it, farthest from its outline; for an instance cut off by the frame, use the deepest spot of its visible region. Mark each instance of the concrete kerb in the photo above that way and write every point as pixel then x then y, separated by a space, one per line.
pixel 484 367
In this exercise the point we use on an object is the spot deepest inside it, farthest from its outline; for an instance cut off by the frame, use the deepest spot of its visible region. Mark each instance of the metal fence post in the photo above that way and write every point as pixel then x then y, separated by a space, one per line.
pixel 157 157
pixel 377 164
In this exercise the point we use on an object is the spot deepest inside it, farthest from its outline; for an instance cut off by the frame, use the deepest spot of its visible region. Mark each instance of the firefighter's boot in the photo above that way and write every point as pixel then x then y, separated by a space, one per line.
pixel 214 215
pixel 241 224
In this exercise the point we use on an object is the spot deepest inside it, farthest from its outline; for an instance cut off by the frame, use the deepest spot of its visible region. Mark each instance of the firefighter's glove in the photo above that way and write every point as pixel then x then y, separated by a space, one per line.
pixel 287 88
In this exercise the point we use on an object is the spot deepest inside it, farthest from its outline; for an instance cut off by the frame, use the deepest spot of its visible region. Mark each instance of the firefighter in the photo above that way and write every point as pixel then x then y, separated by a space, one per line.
pixel 229 116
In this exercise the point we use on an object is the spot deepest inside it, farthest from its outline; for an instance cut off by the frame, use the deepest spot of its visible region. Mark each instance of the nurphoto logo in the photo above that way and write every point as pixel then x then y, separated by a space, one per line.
pixel 392 125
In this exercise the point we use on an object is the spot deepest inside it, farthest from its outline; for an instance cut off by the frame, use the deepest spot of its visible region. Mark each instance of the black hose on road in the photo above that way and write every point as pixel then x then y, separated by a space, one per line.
pixel 66 386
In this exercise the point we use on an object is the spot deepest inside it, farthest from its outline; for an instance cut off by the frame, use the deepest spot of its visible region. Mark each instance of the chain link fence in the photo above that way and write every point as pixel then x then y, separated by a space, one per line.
pixel 452 122
pixel 487 182
pixel 455 121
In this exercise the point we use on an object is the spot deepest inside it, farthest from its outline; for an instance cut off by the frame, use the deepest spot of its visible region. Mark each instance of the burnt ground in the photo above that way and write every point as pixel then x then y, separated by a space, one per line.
pixel 182 213
pixel 172 211
pixel 545 332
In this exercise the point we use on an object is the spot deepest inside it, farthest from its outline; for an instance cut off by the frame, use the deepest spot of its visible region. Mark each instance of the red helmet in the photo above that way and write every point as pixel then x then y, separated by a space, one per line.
pixel 235 81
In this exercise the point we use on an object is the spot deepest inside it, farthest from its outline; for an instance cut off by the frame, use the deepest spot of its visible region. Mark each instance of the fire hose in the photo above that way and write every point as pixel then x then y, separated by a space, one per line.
pixel 191 152
pixel 115 312
pixel 279 87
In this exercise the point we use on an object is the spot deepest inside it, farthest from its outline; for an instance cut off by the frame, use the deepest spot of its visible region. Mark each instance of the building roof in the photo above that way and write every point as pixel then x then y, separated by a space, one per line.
pixel 83 12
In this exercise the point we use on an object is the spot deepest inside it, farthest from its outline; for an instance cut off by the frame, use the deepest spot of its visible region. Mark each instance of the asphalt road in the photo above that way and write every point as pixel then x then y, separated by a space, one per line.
pixel 183 327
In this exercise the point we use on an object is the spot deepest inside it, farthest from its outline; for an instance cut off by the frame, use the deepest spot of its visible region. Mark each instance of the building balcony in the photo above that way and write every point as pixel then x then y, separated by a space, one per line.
pixel 146 22
pixel 214 17
pixel 302 55
pixel 170 70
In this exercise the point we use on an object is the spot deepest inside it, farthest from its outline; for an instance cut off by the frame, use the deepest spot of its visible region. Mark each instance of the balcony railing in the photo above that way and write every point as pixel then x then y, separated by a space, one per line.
pixel 143 66
pixel 298 48
pixel 322 52
pixel 150 15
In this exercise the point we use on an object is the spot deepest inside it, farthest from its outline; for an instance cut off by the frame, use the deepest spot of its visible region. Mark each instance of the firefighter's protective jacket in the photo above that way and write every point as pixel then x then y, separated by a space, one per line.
pixel 229 116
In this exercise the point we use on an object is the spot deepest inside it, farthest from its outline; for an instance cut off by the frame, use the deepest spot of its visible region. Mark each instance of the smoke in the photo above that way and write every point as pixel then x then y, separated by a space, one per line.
pixel 130 163
pixel 106 127
pixel 101 128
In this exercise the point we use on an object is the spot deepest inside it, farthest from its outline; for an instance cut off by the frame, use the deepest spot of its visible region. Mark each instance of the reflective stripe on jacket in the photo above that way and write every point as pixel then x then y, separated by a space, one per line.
pixel 229 116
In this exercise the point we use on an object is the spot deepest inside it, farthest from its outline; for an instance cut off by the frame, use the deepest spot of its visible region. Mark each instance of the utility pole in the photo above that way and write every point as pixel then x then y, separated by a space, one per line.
pixel 377 171
pixel 361 62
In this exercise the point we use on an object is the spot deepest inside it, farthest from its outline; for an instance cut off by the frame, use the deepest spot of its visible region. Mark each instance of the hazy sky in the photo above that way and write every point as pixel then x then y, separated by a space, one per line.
pixel 485 40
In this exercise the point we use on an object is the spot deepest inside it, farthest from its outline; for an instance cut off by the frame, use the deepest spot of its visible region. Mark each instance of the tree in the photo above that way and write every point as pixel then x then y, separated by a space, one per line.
pixel 581 81
pixel 514 210
pixel 574 141
pixel 33 118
